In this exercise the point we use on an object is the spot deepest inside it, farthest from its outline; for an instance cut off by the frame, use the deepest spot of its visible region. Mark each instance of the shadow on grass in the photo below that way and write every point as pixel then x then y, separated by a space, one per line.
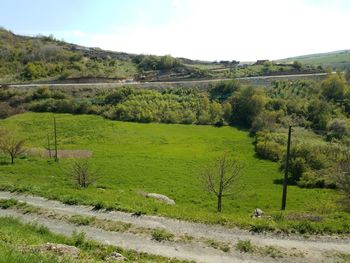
pixel 4 162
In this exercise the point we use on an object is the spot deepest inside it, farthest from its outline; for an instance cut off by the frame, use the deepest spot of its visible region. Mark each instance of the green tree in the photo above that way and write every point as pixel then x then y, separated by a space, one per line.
pixel 347 75
pixel 223 90
pixel 247 104
pixel 319 113
pixel 333 87
pixel 297 65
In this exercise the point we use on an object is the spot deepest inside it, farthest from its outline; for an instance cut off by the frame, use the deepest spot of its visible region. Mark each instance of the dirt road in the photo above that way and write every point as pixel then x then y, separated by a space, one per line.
pixel 313 249
pixel 181 83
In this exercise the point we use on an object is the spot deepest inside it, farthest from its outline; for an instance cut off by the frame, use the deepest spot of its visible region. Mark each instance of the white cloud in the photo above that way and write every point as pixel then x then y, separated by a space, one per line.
pixel 228 29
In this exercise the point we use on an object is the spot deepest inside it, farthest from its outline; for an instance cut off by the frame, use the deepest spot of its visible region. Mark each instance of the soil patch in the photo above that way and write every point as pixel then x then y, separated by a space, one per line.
pixel 61 153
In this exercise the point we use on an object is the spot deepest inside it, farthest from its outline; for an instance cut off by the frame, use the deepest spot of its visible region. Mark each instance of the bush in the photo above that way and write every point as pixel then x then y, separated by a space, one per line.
pixel 337 129
pixel 311 179
pixel 269 150
pixel 6 110
pixel 333 88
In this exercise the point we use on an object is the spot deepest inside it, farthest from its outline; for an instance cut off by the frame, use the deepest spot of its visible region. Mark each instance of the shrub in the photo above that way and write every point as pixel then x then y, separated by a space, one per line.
pixel 6 110
pixel 269 150
pixel 337 129
pixel 311 179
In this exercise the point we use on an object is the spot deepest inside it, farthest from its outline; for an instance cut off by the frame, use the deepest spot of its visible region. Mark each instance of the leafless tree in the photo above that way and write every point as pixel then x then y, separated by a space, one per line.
pixel 10 145
pixel 82 174
pixel 222 178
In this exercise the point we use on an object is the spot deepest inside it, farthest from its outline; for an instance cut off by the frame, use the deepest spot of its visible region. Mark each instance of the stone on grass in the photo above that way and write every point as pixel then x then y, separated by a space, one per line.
pixel 61 249
pixel 162 198
pixel 257 213
pixel 115 256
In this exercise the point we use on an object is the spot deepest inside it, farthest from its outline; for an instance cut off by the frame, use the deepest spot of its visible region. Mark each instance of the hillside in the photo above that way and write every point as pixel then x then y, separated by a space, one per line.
pixel 45 59
pixel 335 60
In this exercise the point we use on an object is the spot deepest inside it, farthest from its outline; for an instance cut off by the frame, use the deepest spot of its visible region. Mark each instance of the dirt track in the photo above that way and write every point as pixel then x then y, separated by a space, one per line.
pixel 258 80
pixel 313 249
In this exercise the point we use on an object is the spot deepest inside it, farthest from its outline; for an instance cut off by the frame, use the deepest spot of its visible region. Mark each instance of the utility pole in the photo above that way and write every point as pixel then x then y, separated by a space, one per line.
pixel 285 179
pixel 55 132
pixel 49 145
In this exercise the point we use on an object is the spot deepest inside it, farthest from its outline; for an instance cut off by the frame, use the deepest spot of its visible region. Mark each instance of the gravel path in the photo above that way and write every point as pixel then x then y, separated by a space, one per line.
pixel 313 248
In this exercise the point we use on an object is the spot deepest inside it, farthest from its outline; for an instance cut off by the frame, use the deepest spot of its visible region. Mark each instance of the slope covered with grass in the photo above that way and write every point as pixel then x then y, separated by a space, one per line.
pixel 132 158
pixel 335 60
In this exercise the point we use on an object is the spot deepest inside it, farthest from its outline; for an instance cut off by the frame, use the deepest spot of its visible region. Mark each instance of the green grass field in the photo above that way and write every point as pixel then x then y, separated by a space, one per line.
pixel 162 158
pixel 338 59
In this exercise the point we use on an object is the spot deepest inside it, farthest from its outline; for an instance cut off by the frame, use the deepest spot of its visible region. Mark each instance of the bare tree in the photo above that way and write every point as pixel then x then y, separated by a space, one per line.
pixel 222 178
pixel 82 174
pixel 10 145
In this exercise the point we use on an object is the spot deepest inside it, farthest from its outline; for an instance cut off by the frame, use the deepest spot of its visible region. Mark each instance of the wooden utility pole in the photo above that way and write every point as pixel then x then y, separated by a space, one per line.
pixel 49 145
pixel 285 179
pixel 55 132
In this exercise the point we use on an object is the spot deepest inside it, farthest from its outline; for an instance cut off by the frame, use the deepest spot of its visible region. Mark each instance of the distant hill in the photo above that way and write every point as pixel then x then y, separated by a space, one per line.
pixel 336 59
pixel 44 59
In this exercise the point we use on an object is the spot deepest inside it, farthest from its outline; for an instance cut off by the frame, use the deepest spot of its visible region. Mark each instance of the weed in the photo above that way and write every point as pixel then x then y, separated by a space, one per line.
pixel 279 217
pixel 70 200
pixel 99 205
pixel 218 245
pixel 40 229
pixel 159 235
pixel 8 203
pixel 259 228
pixel 78 238
pixel 271 251
pixel 213 243
pixel 245 246
pixel 81 220
pixel 304 227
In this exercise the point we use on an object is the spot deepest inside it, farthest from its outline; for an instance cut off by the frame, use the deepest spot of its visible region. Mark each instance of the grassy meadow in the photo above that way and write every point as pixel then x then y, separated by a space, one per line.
pixel 131 158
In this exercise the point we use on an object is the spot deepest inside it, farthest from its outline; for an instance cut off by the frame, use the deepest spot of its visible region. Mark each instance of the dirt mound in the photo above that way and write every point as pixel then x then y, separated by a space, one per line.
pixel 61 153
pixel 61 249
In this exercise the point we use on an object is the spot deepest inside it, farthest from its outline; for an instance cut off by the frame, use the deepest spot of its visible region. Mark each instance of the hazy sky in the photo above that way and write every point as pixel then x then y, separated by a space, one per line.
pixel 198 29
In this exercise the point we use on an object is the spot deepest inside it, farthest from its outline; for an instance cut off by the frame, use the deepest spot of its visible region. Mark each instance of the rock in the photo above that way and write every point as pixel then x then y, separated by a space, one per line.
pixel 61 249
pixel 257 212
pixel 162 198
pixel 115 256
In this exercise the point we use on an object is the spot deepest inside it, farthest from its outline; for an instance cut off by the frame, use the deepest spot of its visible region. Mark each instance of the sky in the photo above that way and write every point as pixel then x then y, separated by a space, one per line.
pixel 244 30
